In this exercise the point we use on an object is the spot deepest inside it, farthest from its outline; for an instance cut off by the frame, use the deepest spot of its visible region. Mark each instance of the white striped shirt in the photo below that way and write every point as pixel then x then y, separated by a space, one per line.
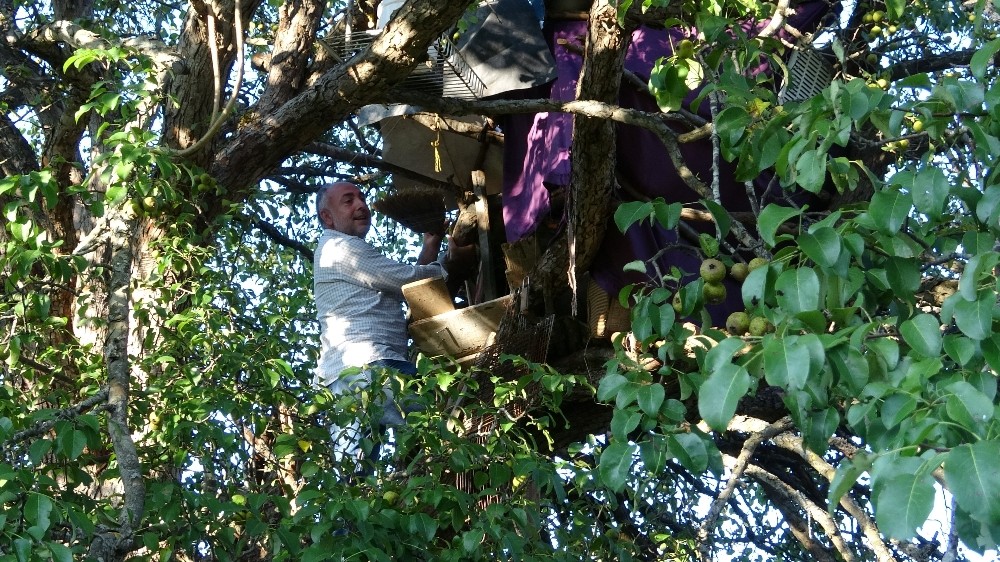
pixel 359 299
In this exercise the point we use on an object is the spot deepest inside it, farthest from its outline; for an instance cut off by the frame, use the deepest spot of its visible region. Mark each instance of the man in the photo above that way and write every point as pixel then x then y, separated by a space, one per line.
pixel 359 298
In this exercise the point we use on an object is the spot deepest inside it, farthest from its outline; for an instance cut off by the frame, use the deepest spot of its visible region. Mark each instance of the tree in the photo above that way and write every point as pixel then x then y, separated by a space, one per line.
pixel 156 332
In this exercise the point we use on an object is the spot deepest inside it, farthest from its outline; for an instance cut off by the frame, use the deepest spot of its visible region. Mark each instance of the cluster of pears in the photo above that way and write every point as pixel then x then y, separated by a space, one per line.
pixel 713 272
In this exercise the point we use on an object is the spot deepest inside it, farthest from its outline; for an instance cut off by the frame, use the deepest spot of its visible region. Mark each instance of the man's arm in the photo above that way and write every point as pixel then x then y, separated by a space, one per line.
pixel 430 249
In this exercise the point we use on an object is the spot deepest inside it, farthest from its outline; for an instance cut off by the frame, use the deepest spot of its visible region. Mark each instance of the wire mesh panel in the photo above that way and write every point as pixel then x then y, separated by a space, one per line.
pixel 808 73
pixel 443 73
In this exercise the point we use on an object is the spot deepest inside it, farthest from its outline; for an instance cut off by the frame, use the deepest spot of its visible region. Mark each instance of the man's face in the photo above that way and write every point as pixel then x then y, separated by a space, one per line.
pixel 344 209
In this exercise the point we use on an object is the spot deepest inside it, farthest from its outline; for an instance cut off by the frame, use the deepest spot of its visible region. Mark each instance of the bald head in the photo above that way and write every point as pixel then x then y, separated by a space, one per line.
pixel 341 206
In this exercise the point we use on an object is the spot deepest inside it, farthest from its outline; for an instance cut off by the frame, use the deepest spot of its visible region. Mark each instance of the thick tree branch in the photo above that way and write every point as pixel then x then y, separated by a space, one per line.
pixel 16 155
pixel 942 61
pixel 298 21
pixel 593 166
pixel 116 544
pixel 256 149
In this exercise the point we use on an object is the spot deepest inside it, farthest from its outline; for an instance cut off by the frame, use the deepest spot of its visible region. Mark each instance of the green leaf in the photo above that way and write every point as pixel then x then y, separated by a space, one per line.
pixel 115 193
pixel 983 58
pixel 71 443
pixel 770 220
pixel 668 84
pixel 722 353
pixel 689 449
pixel 848 472
pixel 975 318
pixel 653 452
pixel 822 246
pixel 624 422
pixel 972 472
pixel 731 124
pixel 37 509
pixel 609 386
pixel 60 553
pixel 961 349
pixel 930 191
pixel 709 244
pixel 968 406
pixel 903 504
pixel 651 398
pixel 472 539
pixel 632 212
pixel 895 8
pixel 798 290
pixel 923 333
pixel 850 367
pixel 991 351
pixel 720 394
pixel 890 209
pixel 615 465
pixel 786 363
pixel 666 215
pixel 810 170
pixel 897 408
pixel 977 266
pixel 721 216
pixel 903 276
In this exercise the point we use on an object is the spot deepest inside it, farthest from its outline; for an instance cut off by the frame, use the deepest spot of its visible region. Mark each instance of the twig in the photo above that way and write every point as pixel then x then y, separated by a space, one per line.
pixel 274 234
pixel 742 461
pixel 794 443
pixel 217 123
pixel 787 493
pixel 67 413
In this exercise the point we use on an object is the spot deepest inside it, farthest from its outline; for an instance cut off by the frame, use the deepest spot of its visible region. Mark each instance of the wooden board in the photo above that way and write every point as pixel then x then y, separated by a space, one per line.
pixel 461 332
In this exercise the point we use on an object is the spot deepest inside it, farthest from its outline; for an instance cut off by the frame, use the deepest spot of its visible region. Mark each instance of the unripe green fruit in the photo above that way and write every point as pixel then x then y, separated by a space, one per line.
pixel 677 303
pixel 757 263
pixel 712 270
pixel 714 293
pixel 739 271
pixel 685 49
pixel 390 497
pixel 738 323
pixel 760 326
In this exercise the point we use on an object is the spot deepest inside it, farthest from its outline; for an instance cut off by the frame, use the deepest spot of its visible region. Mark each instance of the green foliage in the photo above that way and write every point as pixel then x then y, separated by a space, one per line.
pixel 862 342
pixel 875 320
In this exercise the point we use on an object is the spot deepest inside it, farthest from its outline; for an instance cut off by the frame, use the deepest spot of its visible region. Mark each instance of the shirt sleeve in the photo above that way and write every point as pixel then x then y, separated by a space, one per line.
pixel 363 265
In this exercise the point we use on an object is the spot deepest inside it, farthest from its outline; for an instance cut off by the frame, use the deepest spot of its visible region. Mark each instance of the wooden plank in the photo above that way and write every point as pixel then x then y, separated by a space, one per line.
pixel 487 279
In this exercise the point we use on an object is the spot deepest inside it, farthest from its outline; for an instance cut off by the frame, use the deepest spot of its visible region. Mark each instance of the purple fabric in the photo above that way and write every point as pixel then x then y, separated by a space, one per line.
pixel 537 153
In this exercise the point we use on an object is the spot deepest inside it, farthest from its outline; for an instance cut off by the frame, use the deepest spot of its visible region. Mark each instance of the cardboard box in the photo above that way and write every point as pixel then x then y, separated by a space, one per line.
pixel 427 298
pixel 460 333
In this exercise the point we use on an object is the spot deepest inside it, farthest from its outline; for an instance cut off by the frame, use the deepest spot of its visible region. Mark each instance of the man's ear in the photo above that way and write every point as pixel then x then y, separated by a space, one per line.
pixel 325 219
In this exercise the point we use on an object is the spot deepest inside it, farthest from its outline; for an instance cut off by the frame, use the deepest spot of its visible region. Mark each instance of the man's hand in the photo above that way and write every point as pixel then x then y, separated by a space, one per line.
pixel 461 260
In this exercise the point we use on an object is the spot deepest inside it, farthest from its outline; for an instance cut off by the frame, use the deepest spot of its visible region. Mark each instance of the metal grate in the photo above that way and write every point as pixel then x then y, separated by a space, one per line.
pixel 444 73
pixel 808 73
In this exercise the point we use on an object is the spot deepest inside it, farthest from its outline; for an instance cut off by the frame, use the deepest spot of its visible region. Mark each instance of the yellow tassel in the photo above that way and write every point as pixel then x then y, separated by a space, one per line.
pixel 436 144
